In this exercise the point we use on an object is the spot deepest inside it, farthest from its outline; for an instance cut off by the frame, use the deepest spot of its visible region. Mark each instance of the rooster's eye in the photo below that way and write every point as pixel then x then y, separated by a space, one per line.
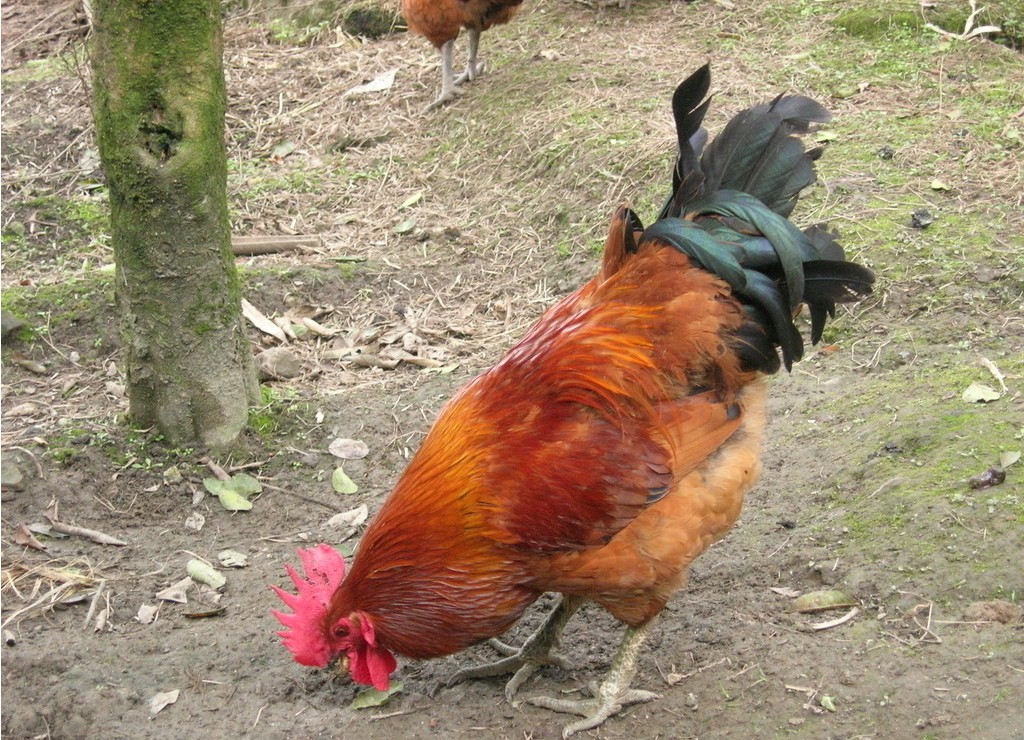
pixel 341 631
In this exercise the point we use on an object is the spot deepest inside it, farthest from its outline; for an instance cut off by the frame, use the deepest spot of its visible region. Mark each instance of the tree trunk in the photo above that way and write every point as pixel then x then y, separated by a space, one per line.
pixel 159 100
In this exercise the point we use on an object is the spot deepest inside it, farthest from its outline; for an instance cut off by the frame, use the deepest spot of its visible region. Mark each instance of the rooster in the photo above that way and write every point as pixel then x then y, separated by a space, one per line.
pixel 440 22
pixel 613 444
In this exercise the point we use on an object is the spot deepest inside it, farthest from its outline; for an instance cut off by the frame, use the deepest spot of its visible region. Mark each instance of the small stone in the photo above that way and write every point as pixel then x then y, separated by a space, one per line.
pixel 277 363
pixel 11 478
pixel 921 218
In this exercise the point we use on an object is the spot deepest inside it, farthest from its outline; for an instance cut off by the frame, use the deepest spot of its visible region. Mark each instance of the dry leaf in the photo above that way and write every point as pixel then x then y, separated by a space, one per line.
pixel 277 363
pixel 838 621
pixel 426 363
pixel 29 364
pixel 147 614
pixel 1008 458
pixel 380 83
pixel 374 361
pixel 405 226
pixel 102 615
pixel 261 322
pixel 176 592
pixel 351 518
pixel 374 698
pixel 286 326
pixel 23 536
pixel 980 393
pixel 316 327
pixel 207 614
pixel 232 559
pixel 158 702
pixel 348 449
pixel 412 200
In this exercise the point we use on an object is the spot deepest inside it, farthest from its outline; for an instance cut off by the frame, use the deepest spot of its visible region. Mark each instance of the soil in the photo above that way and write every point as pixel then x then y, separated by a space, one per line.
pixel 864 488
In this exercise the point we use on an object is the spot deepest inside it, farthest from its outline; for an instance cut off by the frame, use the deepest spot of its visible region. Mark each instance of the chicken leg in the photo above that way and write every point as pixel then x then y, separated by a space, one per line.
pixel 612 695
pixel 447 77
pixel 537 651
pixel 473 68
pixel 449 81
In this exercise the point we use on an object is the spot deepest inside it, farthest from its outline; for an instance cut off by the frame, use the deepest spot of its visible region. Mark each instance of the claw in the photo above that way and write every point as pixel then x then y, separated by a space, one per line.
pixel 536 652
pixel 502 648
pixel 612 696
pixel 473 70
pixel 594 711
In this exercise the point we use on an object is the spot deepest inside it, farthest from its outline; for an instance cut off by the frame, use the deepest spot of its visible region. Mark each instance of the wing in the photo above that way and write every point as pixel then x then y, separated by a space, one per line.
pixel 577 477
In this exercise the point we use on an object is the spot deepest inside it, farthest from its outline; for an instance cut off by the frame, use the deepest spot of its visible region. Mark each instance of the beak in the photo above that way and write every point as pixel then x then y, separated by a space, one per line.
pixel 343 666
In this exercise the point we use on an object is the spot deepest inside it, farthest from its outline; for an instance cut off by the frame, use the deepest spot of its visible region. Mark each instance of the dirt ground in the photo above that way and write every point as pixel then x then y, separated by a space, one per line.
pixel 447 234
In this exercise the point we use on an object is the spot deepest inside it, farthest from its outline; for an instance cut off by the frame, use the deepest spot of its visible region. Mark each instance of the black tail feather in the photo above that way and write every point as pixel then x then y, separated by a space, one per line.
pixel 688 108
pixel 728 208
pixel 753 344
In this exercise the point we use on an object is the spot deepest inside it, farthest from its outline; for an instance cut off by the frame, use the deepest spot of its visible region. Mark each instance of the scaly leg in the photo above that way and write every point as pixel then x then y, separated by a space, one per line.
pixel 473 68
pixel 612 695
pixel 447 82
pixel 537 651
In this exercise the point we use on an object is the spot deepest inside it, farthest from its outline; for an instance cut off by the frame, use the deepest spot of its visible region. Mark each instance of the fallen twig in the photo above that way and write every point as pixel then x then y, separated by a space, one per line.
pixel 95 602
pixel 218 472
pixel 970 31
pixel 52 516
pixel 399 713
pixel 101 538
pixel 299 496
pixel 248 466
pixel 996 372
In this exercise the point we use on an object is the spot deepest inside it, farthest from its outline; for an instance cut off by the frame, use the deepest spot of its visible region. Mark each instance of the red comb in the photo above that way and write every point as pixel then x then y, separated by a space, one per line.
pixel 305 635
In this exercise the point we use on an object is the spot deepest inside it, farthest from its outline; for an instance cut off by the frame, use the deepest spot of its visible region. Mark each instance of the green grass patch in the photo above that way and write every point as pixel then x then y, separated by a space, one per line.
pixel 61 304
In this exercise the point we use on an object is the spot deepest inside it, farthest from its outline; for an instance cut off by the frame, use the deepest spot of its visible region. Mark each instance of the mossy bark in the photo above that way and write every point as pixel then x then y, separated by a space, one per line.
pixel 159 100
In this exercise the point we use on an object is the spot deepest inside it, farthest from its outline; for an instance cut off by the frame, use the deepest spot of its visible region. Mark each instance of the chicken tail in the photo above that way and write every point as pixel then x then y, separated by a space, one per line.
pixel 728 211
